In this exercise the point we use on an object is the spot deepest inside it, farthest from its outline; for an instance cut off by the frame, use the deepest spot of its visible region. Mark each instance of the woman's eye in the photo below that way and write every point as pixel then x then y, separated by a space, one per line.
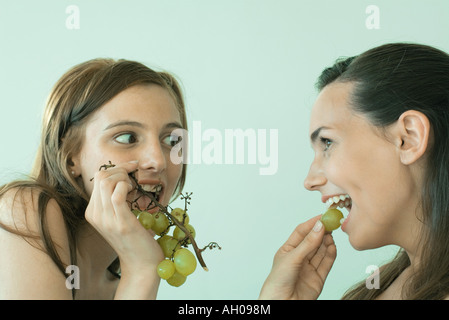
pixel 172 140
pixel 326 142
pixel 126 138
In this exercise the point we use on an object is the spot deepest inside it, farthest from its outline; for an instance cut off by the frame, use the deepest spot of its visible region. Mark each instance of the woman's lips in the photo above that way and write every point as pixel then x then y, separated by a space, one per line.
pixel 344 222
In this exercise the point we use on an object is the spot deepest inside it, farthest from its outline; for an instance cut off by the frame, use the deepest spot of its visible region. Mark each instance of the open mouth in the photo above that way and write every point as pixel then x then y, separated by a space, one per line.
pixel 155 190
pixel 340 201
pixel 147 194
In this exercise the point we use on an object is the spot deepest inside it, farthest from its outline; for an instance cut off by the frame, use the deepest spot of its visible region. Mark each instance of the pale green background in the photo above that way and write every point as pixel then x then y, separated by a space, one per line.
pixel 243 64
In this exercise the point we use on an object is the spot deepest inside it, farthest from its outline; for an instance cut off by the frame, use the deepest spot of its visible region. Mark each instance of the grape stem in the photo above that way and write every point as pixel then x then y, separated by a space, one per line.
pixel 174 221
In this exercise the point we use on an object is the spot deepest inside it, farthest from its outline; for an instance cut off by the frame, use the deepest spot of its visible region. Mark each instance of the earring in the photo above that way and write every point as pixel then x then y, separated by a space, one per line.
pixel 73 173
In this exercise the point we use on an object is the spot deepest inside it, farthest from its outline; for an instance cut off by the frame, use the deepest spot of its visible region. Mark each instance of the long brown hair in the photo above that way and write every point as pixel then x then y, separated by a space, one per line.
pixel 75 97
pixel 389 80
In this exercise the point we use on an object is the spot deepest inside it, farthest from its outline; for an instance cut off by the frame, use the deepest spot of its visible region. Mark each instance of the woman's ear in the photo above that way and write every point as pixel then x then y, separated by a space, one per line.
pixel 73 166
pixel 413 135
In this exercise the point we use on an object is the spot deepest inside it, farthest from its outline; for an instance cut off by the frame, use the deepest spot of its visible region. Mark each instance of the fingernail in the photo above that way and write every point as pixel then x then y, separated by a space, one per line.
pixel 134 161
pixel 318 225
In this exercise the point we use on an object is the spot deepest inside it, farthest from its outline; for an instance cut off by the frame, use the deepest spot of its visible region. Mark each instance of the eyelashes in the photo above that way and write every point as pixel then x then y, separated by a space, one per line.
pixel 125 138
pixel 171 140
pixel 129 138
pixel 326 143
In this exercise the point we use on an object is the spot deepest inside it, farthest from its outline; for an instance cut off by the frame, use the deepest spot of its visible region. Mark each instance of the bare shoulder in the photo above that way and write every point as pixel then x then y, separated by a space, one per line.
pixel 26 270
pixel 19 212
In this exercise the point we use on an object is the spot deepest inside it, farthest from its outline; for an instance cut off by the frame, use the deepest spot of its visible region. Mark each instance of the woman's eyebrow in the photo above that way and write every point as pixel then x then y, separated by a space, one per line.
pixel 315 134
pixel 175 125
pixel 140 125
pixel 124 123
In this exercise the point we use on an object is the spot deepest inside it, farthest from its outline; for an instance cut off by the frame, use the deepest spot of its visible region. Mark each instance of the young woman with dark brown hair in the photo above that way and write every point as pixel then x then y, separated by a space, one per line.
pixel 379 129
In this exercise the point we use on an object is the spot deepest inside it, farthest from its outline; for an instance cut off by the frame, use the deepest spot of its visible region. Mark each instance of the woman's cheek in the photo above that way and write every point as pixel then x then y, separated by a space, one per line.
pixel 174 176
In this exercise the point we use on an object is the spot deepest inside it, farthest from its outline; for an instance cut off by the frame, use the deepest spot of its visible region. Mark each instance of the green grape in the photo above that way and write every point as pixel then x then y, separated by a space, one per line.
pixel 331 219
pixel 185 262
pixel 161 223
pixel 176 280
pixel 180 235
pixel 136 212
pixel 166 269
pixel 146 219
pixel 179 214
pixel 168 245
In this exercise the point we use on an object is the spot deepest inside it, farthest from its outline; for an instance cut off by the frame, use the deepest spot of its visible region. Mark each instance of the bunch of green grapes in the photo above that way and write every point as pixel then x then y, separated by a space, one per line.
pixel 179 261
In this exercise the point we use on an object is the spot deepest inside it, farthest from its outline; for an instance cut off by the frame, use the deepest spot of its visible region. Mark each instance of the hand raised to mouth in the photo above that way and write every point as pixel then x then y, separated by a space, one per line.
pixel 179 262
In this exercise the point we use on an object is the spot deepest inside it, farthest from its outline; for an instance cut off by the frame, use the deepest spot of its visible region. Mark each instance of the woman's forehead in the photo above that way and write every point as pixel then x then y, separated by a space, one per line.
pixel 332 106
pixel 142 103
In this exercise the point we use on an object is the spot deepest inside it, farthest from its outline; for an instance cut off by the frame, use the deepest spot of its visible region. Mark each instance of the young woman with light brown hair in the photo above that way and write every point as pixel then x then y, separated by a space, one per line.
pixel 69 213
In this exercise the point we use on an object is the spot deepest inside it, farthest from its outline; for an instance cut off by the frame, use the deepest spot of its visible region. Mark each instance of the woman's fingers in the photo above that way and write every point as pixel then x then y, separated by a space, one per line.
pixel 327 263
pixel 111 187
pixel 315 247
pixel 300 233
pixel 308 247
pixel 302 264
pixel 118 198
pixel 318 256
pixel 324 257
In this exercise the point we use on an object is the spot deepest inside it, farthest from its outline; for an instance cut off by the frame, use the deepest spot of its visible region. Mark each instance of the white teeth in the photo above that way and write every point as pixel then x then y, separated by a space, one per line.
pixel 339 201
pixel 152 188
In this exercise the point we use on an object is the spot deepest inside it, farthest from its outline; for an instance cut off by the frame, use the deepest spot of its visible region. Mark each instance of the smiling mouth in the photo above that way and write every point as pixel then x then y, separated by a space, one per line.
pixel 340 201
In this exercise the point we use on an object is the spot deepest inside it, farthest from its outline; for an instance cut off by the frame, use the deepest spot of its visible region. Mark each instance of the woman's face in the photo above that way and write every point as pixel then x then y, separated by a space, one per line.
pixel 352 157
pixel 135 125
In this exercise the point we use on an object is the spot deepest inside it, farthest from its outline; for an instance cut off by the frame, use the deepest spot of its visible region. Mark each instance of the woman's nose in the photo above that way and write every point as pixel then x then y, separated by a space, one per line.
pixel 315 178
pixel 153 158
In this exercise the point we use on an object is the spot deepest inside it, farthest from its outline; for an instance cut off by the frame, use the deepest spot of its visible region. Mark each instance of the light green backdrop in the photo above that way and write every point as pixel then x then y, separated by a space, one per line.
pixel 243 64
